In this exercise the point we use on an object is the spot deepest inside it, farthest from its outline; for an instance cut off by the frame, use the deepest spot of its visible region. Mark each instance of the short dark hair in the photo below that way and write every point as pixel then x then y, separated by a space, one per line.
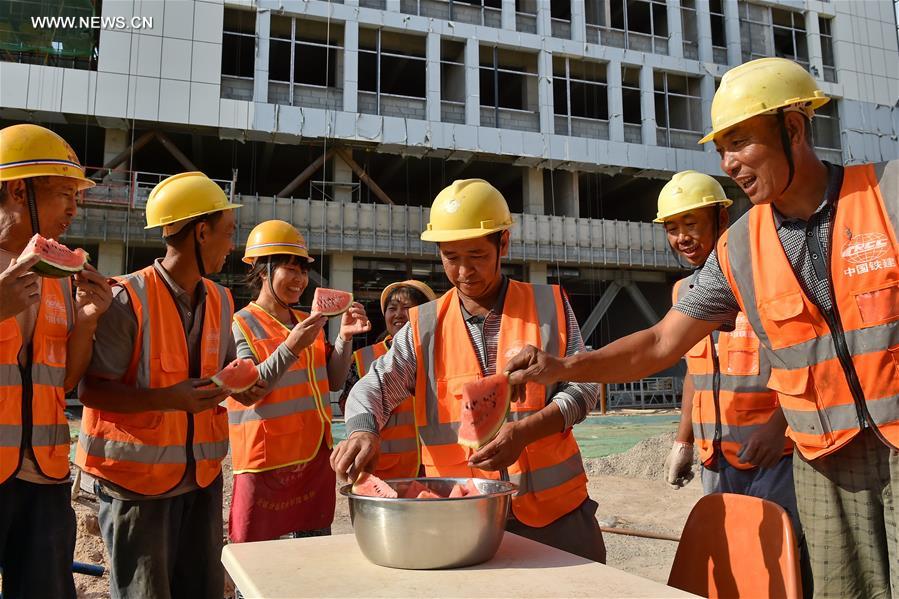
pixel 414 295
pixel 260 268
pixel 187 230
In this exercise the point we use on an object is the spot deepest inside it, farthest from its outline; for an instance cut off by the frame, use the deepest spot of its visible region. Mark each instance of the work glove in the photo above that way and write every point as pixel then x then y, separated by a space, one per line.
pixel 679 465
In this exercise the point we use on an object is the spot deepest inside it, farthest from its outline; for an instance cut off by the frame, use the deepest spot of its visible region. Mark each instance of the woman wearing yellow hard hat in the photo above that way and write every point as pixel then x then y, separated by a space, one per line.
pixel 281 445
pixel 400 453
pixel 727 409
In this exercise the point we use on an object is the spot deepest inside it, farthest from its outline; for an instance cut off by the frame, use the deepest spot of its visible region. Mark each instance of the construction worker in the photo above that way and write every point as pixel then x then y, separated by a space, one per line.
pixel 470 332
pixel 45 346
pixel 813 266
pixel 153 433
pixel 727 407
pixel 400 453
pixel 280 446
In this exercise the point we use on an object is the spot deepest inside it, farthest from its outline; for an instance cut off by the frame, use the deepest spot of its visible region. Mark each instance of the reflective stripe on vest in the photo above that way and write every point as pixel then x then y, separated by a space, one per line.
pixel 287 426
pixel 745 402
pixel 814 386
pixel 550 471
pixel 400 452
pixel 146 452
pixel 49 431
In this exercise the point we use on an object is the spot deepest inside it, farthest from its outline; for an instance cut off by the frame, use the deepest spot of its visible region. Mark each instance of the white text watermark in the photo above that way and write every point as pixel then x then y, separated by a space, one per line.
pixel 114 23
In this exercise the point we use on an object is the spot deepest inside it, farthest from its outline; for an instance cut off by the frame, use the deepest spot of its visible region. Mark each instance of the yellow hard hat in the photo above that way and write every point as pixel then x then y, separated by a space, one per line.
pixel 185 196
pixel 763 86
pixel 689 190
pixel 466 209
pixel 275 237
pixel 33 151
pixel 426 291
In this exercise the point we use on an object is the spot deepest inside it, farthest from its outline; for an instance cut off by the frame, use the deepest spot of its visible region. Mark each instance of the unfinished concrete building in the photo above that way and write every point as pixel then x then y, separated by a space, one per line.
pixel 347 117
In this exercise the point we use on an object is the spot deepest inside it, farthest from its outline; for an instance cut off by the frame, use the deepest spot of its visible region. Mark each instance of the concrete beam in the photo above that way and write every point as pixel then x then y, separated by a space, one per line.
pixel 602 306
pixel 642 303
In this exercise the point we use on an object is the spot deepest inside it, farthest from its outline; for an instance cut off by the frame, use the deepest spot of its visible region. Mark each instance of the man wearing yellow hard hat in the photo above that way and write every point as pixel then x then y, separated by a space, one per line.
pixel 727 407
pixel 813 266
pixel 153 433
pixel 45 347
pixel 470 332
pixel 280 446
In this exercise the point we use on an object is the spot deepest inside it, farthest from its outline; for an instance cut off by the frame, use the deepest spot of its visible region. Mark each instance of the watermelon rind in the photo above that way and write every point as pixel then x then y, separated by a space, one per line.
pixel 53 270
pixel 476 444
pixel 221 383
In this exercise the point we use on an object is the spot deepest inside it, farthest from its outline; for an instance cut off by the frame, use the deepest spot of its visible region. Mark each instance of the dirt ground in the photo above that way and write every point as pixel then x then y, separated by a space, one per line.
pixel 628 487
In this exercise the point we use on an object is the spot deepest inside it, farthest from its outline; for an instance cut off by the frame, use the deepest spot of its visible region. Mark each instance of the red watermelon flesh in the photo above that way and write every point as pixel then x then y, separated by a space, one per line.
pixel 238 376
pixel 457 491
pixel 414 489
pixel 331 302
pixel 471 489
pixel 370 485
pixel 56 260
pixel 485 403
pixel 428 494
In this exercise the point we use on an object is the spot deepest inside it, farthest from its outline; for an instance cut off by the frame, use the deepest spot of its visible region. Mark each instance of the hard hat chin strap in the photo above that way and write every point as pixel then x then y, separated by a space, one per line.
pixel 198 252
pixel 787 146
pixel 32 207
pixel 271 287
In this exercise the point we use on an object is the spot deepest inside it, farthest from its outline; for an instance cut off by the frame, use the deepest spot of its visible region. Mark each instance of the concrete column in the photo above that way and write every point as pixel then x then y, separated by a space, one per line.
pixel 544 18
pixel 472 82
pixel 545 88
pixel 340 277
pixel 342 175
pixel 648 105
pixel 675 29
pixel 732 32
pixel 432 87
pixel 532 189
pixel 815 54
pixel 578 21
pixel 537 273
pixel 508 15
pixel 707 89
pixel 567 193
pixel 704 28
pixel 260 69
pixel 111 258
pixel 115 141
pixel 616 102
pixel 350 66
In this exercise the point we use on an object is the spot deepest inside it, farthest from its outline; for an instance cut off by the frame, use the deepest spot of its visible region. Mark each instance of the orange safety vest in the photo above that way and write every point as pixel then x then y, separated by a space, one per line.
pixel 744 401
pixel 839 371
pixel 146 452
pixel 400 452
pixel 550 472
pixel 44 414
pixel 286 426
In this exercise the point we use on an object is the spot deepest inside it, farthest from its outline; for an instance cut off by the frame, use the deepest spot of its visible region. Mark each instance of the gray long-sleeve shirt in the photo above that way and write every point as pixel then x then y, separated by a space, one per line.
pixel 391 378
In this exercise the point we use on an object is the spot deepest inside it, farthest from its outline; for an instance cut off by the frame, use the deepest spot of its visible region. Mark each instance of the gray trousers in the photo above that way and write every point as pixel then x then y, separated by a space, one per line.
pixel 165 548
pixel 576 532
pixel 37 540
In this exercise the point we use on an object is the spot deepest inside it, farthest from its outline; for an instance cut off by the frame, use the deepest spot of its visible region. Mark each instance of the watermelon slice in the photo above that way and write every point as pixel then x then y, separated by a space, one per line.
pixel 238 376
pixel 56 260
pixel 414 489
pixel 458 491
pixel 471 489
pixel 331 302
pixel 485 403
pixel 370 485
pixel 428 494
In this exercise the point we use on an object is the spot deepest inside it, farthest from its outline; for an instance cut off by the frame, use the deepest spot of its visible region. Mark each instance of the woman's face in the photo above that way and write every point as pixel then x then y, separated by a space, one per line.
pixel 290 280
pixel 396 314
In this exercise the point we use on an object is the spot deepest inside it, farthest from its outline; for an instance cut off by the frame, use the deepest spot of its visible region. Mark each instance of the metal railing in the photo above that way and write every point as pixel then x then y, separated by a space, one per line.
pixel 653 392
pixel 127 188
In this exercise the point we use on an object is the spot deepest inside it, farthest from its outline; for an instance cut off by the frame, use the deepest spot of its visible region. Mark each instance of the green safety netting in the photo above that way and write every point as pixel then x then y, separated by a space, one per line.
pixel 18 35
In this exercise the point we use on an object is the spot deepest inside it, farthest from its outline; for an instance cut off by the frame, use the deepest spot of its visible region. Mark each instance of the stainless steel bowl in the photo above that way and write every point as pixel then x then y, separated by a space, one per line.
pixel 425 534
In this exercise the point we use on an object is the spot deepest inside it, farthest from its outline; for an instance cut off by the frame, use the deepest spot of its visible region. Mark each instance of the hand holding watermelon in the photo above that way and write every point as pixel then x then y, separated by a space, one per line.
pixel 532 365
pixel 304 333
pixel 354 321
pixel 251 395
pixel 93 294
pixel 502 452
pixel 18 288
pixel 358 454
pixel 192 395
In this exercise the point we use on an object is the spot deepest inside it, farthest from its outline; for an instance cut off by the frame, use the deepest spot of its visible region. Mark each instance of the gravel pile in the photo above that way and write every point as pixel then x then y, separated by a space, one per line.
pixel 645 460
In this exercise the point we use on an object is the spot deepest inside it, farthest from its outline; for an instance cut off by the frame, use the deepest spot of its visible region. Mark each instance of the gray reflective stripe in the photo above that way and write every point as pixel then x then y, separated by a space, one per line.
pixel 213 450
pixel 10 375
pixel 739 257
pixel 10 435
pixel 225 322
pixel 820 349
pixel 548 319
pixel 273 410
pixel 401 419
pixel 682 288
pixel 67 299
pixel 253 323
pixel 737 384
pixel 367 357
pixel 138 285
pixel 888 180
pixel 41 374
pixel 399 445
pixel 729 432
pixel 842 417
pixel 541 479
pixel 433 433
pixel 119 451
pixel 48 435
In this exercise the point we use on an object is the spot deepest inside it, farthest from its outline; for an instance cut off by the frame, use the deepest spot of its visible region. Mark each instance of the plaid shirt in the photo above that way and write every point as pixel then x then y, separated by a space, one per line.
pixel 391 378
pixel 806 245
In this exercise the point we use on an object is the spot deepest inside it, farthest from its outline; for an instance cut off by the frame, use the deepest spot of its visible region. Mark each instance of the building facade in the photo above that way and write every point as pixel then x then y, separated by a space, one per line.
pixel 346 118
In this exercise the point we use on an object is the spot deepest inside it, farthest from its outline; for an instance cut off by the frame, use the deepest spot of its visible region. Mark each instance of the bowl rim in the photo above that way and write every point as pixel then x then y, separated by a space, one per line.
pixel 346 490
